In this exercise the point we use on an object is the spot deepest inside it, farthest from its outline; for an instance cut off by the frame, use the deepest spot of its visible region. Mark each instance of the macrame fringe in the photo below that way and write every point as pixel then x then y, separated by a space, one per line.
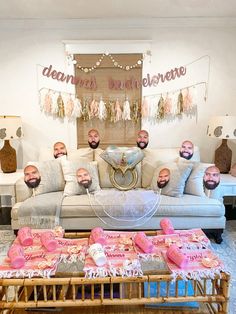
pixel 198 274
pixel 26 273
pixel 114 272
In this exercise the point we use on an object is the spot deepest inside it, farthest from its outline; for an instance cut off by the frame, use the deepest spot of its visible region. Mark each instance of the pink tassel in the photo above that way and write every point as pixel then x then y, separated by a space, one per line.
pixel 187 101
pixel 48 102
pixel 69 107
pixel 54 109
pixel 118 111
pixel 145 107
pixel 41 100
pixel 93 112
pixel 126 110
pixel 167 105
pixel 102 110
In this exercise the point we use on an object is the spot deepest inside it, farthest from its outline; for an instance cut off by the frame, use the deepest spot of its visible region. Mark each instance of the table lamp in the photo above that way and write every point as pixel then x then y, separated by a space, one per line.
pixel 10 128
pixel 223 127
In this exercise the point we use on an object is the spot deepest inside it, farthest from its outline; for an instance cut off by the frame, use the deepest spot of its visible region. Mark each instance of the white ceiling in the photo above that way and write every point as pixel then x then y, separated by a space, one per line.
pixel 104 9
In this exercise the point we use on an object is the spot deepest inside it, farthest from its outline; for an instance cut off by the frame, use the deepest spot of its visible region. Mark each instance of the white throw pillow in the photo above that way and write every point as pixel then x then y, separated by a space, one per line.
pixel 86 153
pixel 69 169
pixel 52 179
pixel 72 154
pixel 179 173
pixel 156 156
pixel 194 184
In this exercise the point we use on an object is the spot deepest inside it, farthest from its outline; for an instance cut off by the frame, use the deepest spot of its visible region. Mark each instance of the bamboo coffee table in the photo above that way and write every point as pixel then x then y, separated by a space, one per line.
pixel 70 289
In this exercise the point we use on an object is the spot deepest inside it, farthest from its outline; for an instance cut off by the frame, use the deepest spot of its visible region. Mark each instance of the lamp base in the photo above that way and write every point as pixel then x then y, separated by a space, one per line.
pixel 8 158
pixel 223 157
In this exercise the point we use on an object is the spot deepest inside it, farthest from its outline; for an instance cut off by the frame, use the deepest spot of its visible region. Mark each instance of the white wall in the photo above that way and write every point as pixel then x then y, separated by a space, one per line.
pixel 25 44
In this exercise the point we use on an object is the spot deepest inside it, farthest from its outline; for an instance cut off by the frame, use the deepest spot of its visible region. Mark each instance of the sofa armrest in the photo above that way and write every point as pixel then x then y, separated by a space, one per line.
pixel 22 191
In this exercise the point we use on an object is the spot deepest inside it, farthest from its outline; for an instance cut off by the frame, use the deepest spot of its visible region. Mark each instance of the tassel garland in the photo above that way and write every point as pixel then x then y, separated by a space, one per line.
pixel 154 108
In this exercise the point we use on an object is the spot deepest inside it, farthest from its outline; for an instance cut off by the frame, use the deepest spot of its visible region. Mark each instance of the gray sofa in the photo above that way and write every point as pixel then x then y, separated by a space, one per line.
pixel 192 209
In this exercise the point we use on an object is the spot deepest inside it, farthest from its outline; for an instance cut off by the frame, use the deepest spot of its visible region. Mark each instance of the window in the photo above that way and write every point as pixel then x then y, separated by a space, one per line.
pixel 110 84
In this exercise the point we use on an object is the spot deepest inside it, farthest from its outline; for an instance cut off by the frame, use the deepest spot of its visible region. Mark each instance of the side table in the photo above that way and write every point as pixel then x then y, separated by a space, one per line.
pixel 7 184
pixel 228 186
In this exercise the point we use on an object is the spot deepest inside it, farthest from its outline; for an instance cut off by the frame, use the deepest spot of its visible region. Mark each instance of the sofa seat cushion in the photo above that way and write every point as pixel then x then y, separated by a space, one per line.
pixel 188 205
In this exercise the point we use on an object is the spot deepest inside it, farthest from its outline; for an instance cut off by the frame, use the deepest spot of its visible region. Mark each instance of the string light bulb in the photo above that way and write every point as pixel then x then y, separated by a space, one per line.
pixel 114 61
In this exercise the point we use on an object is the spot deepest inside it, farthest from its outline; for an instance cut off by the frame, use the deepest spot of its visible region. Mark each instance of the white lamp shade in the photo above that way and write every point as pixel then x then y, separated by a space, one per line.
pixel 222 127
pixel 10 127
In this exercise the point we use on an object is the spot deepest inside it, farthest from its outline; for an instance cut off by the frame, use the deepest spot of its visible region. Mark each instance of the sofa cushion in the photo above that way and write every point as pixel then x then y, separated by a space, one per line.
pixel 52 179
pixel 22 190
pixel 86 153
pixel 186 206
pixel 69 169
pixel 179 172
pixel 47 154
pixel 194 183
pixel 155 156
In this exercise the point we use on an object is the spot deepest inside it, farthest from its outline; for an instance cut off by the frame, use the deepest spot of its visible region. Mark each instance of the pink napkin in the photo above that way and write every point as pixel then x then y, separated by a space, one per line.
pixel 122 259
pixel 201 263
pixel 38 261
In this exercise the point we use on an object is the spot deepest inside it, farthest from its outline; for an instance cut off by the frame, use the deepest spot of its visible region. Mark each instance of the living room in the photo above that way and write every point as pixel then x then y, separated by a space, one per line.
pixel 185 45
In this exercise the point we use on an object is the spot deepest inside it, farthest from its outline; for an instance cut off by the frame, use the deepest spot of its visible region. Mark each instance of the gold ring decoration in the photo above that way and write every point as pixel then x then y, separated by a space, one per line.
pixel 129 186
pixel 123 160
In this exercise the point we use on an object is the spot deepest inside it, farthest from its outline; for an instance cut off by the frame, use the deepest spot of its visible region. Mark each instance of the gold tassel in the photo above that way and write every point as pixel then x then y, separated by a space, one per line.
pixel 85 110
pixel 180 103
pixel 60 104
pixel 136 111
pixel 112 112
pixel 161 108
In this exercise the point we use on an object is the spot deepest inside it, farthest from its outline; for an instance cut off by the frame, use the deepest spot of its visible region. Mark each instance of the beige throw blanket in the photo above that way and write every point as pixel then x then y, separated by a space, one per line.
pixel 41 211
